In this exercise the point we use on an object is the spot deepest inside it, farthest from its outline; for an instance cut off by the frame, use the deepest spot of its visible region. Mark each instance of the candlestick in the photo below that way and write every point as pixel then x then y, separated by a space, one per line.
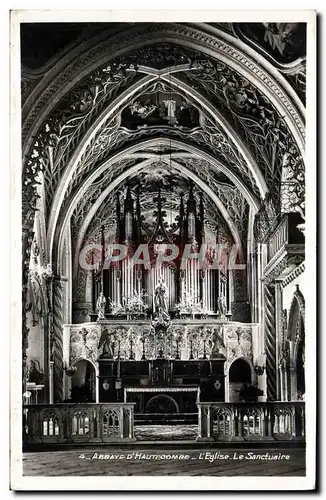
pixel 205 357
pixel 177 356
pixel 144 355
pixel 191 353
pixel 131 353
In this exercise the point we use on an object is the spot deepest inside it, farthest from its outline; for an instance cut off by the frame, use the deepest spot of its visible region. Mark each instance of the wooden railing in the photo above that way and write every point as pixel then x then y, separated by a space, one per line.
pixel 78 423
pixel 279 238
pixel 250 422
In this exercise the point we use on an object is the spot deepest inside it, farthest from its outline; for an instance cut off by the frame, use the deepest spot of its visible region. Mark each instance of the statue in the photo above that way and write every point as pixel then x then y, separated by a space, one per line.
pixel 162 320
pixel 160 297
pixel 100 306
pixel 222 306
pixel 218 346
pixel 106 344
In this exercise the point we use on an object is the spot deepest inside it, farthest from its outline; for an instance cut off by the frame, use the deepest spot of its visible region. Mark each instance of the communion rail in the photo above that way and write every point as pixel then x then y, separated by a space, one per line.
pixel 104 423
pixel 78 423
pixel 251 421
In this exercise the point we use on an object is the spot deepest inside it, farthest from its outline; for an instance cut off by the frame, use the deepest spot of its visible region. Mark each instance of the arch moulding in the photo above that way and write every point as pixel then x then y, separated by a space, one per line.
pixel 148 34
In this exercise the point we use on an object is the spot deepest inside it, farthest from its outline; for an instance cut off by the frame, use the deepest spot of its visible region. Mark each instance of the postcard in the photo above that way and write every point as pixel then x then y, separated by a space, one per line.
pixel 163 187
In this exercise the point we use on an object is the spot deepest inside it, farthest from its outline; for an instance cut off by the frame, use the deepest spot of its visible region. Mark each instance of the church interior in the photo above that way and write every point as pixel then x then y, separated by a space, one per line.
pixel 163 219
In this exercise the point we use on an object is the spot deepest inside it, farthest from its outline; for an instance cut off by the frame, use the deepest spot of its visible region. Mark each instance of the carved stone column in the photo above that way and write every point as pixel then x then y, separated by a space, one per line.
pixel 270 341
pixel 57 340
pixel 26 249
pixel 51 383
pixel 278 331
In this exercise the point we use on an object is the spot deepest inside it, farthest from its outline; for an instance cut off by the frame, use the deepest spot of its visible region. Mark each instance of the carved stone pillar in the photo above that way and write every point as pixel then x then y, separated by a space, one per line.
pixel 25 332
pixel 26 249
pixel 278 331
pixel 270 341
pixel 51 383
pixel 57 340
pixel 283 358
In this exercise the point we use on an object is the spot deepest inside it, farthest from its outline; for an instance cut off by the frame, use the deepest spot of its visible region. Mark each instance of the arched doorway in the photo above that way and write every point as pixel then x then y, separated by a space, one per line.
pixel 239 374
pixel 83 382
pixel 296 340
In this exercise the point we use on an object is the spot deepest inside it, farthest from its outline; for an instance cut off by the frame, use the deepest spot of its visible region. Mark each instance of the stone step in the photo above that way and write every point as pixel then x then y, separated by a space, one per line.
pixel 165 432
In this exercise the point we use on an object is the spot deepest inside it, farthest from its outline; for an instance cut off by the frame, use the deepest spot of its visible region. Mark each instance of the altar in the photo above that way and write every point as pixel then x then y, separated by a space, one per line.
pixel 119 379
pixel 163 400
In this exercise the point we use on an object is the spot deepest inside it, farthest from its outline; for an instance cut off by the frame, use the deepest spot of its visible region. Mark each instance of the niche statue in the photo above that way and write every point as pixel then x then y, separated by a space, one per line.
pixel 218 346
pixel 222 306
pixel 106 345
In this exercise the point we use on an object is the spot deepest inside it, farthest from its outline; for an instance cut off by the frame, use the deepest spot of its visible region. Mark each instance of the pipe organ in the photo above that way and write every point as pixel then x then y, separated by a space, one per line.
pixel 193 283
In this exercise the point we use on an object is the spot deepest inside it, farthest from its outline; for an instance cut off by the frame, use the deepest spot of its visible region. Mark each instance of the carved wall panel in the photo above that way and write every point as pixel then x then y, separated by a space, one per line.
pixel 194 341
pixel 84 343
pixel 238 342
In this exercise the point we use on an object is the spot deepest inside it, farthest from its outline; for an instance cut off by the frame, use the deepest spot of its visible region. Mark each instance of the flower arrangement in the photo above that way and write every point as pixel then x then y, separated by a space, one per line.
pixel 190 305
pixel 250 393
pixel 134 304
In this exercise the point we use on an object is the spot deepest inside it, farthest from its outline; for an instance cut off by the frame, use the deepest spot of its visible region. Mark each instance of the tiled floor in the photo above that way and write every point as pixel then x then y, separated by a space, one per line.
pixel 112 461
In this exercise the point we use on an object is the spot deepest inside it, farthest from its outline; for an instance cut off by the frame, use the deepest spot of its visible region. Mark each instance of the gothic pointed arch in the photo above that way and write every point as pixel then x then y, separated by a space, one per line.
pixel 296 315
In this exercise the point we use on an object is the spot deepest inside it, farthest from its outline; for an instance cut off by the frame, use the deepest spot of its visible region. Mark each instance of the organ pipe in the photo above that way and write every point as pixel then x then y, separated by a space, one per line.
pixel 124 279
pixel 181 219
pixel 103 256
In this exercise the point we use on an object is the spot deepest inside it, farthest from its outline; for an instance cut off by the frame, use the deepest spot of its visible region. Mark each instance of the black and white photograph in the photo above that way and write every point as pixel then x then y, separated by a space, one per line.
pixel 164 284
